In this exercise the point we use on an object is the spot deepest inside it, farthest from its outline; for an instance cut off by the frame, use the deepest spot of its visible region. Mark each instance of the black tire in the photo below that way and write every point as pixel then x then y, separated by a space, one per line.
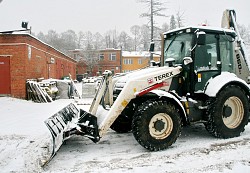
pixel 123 123
pixel 229 114
pixel 150 125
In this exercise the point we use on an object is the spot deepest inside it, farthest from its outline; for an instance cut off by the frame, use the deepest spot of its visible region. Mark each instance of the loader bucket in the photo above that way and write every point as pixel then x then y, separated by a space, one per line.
pixel 58 124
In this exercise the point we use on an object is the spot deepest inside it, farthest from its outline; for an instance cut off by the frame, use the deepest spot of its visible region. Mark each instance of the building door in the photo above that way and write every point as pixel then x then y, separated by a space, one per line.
pixel 59 69
pixel 5 75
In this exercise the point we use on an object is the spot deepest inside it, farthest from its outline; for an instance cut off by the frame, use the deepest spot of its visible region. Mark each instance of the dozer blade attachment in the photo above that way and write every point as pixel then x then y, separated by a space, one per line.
pixel 58 124
pixel 88 126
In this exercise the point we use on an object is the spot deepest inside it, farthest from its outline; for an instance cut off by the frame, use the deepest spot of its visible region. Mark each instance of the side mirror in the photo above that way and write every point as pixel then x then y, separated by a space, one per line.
pixel 201 38
pixel 152 47
pixel 187 60
pixel 170 62
pixel 155 64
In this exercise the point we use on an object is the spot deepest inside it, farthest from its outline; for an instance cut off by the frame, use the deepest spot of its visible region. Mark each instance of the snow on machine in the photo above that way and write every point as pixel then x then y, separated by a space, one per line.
pixel 203 77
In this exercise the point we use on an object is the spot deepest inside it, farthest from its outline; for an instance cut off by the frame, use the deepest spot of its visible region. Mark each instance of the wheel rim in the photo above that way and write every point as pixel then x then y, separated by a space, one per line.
pixel 160 126
pixel 233 112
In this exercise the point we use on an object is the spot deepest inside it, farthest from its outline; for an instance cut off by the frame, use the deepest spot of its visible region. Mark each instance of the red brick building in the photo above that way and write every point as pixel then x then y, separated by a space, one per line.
pixel 95 62
pixel 23 57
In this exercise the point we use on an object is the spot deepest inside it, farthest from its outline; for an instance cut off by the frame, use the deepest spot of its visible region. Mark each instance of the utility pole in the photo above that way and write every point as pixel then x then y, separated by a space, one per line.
pixel 152 27
pixel 156 8
pixel 152 19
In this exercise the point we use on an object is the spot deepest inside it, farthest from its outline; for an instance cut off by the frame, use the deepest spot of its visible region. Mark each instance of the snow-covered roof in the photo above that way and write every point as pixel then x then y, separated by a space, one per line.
pixel 28 34
pixel 204 28
pixel 144 54
pixel 109 49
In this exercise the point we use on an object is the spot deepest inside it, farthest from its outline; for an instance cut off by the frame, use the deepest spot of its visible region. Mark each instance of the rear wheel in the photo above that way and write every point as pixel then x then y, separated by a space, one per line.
pixel 229 115
pixel 156 125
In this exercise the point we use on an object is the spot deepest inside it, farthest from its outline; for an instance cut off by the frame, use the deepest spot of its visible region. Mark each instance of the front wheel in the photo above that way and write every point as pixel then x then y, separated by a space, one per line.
pixel 229 115
pixel 156 125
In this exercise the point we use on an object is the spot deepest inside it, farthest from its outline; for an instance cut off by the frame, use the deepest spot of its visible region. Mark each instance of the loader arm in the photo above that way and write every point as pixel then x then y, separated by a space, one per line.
pixel 136 86
pixel 102 89
pixel 96 126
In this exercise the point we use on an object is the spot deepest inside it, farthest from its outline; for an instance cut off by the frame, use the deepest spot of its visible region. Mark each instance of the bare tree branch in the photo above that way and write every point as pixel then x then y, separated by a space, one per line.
pixel 156 9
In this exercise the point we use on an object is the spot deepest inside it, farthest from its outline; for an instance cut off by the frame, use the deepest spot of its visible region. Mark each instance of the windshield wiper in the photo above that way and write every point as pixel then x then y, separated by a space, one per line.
pixel 170 43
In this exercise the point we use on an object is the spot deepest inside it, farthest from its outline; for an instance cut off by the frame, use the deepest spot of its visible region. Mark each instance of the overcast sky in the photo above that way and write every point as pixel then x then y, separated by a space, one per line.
pixel 103 15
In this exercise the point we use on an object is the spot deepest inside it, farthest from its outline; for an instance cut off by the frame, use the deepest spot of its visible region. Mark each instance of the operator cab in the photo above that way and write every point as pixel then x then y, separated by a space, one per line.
pixel 203 53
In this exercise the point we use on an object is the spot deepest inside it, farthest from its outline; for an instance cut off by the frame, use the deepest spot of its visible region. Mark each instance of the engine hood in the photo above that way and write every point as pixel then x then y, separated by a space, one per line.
pixel 119 84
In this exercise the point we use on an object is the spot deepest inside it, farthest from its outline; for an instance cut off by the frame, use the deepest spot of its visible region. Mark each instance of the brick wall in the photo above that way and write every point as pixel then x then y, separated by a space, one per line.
pixel 31 59
pixel 104 64
pixel 107 63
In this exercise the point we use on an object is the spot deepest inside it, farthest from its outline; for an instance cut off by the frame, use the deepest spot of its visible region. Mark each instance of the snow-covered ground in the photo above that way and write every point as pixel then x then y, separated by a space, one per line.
pixel 24 138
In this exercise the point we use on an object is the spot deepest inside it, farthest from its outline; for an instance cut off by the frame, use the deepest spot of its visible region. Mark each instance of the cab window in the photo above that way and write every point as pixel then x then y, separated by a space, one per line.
pixel 226 53
pixel 206 55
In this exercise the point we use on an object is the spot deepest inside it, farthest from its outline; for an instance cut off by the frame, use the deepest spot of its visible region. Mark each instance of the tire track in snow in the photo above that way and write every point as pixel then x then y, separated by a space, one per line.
pixel 170 162
pixel 194 151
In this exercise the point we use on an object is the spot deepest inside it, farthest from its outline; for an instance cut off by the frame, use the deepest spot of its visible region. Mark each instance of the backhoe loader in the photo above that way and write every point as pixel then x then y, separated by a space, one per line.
pixel 203 77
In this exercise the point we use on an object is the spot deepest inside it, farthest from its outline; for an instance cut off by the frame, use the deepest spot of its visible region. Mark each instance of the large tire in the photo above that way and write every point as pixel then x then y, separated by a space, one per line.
pixel 229 114
pixel 156 125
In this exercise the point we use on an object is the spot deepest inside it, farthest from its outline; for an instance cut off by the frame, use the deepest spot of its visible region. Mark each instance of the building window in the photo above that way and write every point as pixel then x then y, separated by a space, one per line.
pixel 101 56
pixel 112 56
pixel 127 61
pixel 139 61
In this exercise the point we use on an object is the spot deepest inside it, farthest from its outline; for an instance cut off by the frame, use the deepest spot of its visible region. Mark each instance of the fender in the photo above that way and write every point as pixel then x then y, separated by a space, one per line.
pixel 162 93
pixel 215 84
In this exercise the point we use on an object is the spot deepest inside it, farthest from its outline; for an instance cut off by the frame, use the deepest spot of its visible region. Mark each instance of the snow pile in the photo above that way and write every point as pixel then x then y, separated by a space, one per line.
pixel 25 140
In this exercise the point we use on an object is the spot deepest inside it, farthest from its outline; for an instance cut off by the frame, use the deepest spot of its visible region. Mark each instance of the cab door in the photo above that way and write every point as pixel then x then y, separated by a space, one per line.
pixel 207 61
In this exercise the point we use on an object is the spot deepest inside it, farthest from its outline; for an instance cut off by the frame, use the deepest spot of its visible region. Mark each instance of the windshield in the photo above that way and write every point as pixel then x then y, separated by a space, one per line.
pixel 177 47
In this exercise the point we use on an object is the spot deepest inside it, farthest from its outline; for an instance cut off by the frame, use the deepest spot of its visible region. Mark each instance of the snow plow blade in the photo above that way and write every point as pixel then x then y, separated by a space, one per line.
pixel 58 124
